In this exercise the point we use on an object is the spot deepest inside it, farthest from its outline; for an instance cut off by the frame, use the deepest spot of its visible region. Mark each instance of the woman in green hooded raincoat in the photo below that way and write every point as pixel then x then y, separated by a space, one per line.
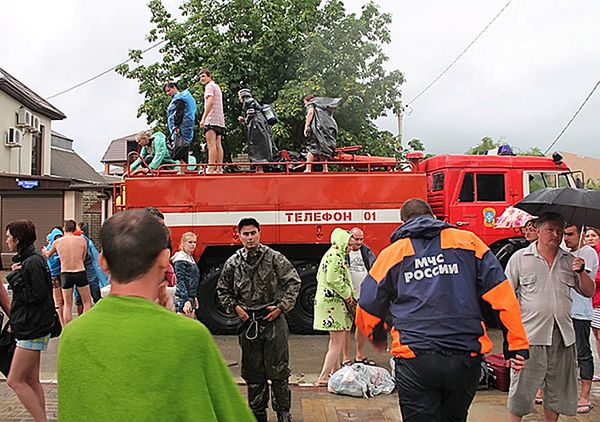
pixel 334 288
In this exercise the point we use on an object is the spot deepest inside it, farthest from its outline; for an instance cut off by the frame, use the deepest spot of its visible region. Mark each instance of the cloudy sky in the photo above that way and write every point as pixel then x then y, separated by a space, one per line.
pixel 522 80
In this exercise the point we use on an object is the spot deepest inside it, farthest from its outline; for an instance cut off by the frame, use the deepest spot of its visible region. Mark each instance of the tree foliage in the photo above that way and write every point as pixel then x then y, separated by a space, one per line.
pixel 282 50
pixel 487 143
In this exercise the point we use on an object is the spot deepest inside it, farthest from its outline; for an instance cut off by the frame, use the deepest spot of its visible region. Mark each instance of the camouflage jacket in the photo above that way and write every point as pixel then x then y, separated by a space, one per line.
pixel 254 281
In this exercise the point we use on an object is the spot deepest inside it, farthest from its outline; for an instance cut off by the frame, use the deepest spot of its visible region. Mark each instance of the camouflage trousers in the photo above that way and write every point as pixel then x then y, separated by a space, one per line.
pixel 265 357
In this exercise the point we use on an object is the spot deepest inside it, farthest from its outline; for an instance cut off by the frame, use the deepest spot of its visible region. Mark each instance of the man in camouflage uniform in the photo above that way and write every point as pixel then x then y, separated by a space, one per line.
pixel 260 284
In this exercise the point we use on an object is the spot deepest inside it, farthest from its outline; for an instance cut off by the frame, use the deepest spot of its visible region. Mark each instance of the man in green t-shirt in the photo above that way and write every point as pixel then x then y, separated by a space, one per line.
pixel 129 359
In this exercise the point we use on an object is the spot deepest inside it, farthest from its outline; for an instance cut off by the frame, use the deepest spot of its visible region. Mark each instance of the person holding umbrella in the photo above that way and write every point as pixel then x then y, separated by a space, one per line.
pixel 543 275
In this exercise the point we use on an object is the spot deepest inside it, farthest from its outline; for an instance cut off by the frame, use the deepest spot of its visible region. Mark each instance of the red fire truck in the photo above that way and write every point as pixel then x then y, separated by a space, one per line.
pixel 298 211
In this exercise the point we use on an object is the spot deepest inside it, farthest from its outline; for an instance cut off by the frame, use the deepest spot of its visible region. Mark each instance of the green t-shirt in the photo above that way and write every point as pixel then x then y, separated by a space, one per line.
pixel 129 359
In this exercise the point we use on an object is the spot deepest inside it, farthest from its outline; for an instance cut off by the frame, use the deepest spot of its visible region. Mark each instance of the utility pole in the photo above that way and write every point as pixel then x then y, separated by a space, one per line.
pixel 400 116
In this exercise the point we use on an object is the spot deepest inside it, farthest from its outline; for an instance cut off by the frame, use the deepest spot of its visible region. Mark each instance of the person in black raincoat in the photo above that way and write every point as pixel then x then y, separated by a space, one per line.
pixel 258 131
pixel 320 128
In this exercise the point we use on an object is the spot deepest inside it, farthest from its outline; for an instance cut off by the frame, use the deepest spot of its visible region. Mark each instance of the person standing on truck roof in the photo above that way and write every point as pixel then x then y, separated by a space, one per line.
pixel 360 259
pixel 181 116
pixel 154 152
pixel 213 121
pixel 261 285
pixel 431 279
pixel 543 275
pixel 258 131
pixel 320 128
pixel 155 364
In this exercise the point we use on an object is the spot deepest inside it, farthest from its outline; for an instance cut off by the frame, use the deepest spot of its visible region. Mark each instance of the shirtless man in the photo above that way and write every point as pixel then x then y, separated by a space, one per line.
pixel 71 250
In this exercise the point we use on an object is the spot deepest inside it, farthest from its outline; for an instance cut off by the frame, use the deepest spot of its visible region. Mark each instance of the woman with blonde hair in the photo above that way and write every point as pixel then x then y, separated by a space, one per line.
pixel 187 274
pixel 334 300
pixel 154 152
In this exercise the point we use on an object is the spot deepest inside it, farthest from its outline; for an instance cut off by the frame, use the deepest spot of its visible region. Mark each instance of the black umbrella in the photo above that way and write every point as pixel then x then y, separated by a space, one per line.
pixel 578 206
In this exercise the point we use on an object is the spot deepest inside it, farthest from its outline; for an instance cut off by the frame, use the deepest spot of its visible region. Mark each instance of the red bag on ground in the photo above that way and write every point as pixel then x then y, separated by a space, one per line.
pixel 500 373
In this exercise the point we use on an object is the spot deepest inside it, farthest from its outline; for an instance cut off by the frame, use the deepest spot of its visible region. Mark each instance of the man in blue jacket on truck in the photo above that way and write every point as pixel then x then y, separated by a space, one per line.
pixel 431 279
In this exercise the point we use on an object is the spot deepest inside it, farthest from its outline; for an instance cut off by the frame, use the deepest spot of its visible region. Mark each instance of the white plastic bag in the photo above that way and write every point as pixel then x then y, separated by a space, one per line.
pixel 359 380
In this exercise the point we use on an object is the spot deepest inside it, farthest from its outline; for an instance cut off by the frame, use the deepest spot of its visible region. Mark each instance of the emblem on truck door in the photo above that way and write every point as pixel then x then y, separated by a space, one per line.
pixel 489 217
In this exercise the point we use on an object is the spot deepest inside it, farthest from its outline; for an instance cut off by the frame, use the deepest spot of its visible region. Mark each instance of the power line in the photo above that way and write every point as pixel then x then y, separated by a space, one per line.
pixel 572 118
pixel 460 55
pixel 102 73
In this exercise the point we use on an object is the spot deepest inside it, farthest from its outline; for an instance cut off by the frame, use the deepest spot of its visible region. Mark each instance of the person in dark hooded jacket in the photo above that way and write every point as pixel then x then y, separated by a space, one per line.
pixel 32 316
pixel 258 131
pixel 432 278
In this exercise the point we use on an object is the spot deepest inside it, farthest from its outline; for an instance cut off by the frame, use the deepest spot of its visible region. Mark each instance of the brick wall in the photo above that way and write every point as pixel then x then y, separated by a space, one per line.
pixel 92 215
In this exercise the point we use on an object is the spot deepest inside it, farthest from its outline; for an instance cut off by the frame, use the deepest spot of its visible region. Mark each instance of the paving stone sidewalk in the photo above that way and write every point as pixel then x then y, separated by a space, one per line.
pixel 312 404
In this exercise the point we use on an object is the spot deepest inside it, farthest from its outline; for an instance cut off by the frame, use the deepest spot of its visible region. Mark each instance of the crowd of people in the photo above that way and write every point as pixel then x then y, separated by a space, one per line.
pixel 430 281
pixel 157 149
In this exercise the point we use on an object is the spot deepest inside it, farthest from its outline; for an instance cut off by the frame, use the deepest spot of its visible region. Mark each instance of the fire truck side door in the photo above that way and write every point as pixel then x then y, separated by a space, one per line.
pixel 461 212
pixel 482 196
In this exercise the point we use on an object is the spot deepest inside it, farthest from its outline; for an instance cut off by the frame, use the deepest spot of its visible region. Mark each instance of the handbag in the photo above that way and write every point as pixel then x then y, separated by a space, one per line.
pixel 178 148
pixel 8 343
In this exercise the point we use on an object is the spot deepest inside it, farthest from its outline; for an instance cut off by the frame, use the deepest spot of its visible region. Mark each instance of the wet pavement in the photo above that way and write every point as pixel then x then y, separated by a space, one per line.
pixel 309 403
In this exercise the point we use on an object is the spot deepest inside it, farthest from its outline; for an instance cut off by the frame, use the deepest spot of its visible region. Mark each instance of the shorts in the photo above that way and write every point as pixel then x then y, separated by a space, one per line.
pixel 596 319
pixel 39 344
pixel 553 365
pixel 55 281
pixel 70 280
pixel 219 130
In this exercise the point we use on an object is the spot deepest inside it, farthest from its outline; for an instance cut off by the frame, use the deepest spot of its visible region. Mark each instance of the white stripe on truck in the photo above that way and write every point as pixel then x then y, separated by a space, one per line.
pixel 286 217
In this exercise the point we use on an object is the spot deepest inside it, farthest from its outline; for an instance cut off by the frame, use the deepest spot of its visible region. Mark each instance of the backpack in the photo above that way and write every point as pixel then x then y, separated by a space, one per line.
pixel 270 114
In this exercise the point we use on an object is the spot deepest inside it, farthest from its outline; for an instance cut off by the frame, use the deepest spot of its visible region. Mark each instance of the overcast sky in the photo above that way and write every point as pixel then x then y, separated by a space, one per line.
pixel 523 79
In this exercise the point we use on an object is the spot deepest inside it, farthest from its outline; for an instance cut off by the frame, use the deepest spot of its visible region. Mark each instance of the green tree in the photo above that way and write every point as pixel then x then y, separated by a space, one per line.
pixel 282 50
pixel 533 151
pixel 416 145
pixel 485 145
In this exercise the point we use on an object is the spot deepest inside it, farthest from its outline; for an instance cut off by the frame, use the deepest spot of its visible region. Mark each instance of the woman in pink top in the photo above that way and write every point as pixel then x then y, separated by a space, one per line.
pixel 592 238
pixel 213 122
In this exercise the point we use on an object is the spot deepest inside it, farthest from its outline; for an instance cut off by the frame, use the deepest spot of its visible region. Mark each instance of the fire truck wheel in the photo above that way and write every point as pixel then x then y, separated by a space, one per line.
pixel 210 311
pixel 300 319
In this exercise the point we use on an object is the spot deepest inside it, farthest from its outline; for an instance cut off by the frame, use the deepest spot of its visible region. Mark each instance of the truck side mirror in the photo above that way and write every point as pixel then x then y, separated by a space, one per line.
pixel 579 183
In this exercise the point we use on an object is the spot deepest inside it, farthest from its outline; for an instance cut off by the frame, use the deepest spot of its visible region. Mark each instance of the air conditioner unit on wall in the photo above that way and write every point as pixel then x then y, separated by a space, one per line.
pixel 24 118
pixel 12 137
pixel 35 123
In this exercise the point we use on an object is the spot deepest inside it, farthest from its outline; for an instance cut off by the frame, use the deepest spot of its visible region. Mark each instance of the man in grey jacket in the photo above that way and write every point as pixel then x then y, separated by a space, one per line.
pixel 259 284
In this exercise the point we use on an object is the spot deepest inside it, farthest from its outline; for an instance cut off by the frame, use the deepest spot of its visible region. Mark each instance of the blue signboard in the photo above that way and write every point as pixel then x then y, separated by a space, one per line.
pixel 28 184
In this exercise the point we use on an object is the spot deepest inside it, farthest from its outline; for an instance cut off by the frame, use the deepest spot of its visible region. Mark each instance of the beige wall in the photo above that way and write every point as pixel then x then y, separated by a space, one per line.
pixel 73 205
pixel 17 160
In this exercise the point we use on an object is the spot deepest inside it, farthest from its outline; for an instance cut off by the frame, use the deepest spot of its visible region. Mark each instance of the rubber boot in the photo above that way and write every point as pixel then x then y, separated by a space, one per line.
pixel 261 416
pixel 284 417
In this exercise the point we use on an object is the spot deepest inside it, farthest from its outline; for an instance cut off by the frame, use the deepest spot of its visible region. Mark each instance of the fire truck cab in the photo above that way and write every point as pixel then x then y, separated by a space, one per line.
pixel 472 191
